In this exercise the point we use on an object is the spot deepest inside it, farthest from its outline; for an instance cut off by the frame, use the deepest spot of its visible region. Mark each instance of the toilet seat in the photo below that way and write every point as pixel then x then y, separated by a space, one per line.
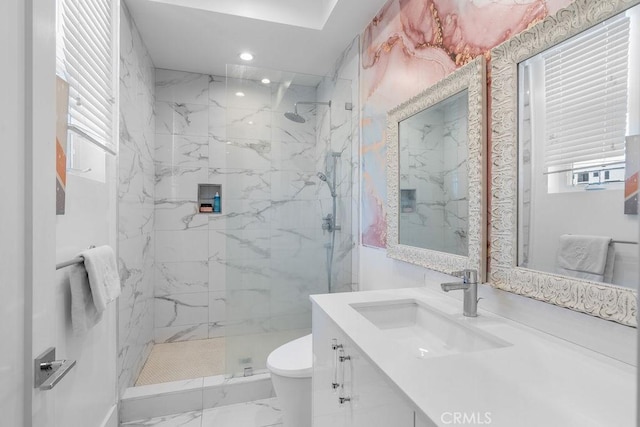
pixel 293 359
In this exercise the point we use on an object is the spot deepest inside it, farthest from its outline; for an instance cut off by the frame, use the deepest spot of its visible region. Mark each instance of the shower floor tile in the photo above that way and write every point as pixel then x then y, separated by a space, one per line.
pixel 259 413
pixel 183 360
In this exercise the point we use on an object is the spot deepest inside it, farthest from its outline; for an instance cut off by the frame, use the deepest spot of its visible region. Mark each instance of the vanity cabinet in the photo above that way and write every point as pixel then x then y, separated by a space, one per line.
pixel 348 390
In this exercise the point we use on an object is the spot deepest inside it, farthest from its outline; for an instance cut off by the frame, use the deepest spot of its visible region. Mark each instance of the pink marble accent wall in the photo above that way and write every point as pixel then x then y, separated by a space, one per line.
pixel 410 45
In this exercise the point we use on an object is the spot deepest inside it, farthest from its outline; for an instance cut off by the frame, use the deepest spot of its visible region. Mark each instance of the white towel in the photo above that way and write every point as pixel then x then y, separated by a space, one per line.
pixel 83 311
pixel 102 270
pixel 585 257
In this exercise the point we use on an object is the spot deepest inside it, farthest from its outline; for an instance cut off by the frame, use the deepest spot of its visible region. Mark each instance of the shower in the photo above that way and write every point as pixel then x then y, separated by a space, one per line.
pixel 295 117
pixel 329 221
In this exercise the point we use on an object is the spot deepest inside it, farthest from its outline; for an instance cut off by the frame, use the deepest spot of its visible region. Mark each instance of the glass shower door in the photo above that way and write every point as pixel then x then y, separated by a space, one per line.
pixel 273 249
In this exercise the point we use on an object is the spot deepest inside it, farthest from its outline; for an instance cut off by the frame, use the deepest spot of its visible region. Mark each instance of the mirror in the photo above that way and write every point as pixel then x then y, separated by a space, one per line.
pixel 435 174
pixel 433 177
pixel 563 183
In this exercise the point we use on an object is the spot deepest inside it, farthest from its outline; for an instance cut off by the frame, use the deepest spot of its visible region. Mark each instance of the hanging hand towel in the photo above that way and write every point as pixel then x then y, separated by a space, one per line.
pixel 83 311
pixel 584 257
pixel 102 270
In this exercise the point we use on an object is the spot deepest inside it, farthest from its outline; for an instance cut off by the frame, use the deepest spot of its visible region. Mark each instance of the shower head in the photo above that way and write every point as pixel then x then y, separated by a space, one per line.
pixel 294 117
pixel 324 178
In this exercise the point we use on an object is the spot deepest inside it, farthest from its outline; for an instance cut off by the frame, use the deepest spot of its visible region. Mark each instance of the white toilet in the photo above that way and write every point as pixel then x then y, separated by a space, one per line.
pixel 291 368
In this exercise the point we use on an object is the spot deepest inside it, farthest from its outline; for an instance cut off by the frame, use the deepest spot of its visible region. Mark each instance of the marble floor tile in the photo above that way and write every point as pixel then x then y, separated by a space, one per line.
pixel 259 413
pixel 187 419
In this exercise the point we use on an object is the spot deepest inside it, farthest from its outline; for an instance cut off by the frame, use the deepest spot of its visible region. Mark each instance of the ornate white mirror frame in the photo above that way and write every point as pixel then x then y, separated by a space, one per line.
pixel 471 77
pixel 602 300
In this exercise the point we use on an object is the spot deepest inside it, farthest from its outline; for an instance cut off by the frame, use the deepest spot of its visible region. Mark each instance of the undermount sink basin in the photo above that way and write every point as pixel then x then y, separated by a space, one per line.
pixel 425 331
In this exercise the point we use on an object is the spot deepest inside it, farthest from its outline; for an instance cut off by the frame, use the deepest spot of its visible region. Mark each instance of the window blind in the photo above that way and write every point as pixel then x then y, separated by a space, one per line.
pixel 85 53
pixel 586 96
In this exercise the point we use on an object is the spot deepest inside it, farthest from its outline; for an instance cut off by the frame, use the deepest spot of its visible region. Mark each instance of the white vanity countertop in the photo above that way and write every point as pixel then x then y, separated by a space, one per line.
pixel 538 380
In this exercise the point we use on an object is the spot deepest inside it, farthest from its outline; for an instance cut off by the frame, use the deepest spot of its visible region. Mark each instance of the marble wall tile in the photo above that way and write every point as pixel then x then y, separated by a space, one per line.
pixel 135 219
pixel 257 96
pixel 182 119
pixel 174 278
pixel 181 333
pixel 283 322
pixel 284 96
pixel 218 121
pixel 181 87
pixel 181 309
pixel 243 184
pixel 134 184
pixel 217 329
pixel 180 246
pixel 290 131
pixel 232 153
pixel 242 214
pixel 239 331
pixel 218 90
pixel 294 155
pixel 217 307
pixel 239 273
pixel 295 185
pixel 288 300
pixel 179 215
pixel 296 214
pixel 135 202
pixel 179 183
pixel 248 123
pixel 178 150
pixel 240 244
pixel 293 241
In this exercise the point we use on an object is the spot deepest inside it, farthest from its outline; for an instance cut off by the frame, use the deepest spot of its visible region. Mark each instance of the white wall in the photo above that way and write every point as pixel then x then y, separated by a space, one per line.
pixel 87 394
pixel 89 389
pixel 12 211
pixel 40 194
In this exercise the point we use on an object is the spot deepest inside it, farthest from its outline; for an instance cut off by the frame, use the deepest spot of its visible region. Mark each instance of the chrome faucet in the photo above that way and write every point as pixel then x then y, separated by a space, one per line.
pixel 469 285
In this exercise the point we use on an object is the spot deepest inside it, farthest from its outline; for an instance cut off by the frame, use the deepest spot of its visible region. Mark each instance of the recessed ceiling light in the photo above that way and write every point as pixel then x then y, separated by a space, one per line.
pixel 266 81
pixel 240 94
pixel 246 56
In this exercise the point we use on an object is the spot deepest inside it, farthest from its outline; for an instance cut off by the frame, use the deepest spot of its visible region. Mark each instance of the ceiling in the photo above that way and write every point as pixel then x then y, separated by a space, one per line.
pixel 202 36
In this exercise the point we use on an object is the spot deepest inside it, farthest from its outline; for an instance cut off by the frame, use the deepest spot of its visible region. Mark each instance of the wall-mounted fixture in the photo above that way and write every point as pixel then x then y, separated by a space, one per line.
pixel 210 198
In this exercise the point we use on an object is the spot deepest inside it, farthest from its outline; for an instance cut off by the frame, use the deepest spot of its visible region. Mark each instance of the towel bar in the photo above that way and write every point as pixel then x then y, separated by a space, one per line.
pixel 76 260
pixel 624 242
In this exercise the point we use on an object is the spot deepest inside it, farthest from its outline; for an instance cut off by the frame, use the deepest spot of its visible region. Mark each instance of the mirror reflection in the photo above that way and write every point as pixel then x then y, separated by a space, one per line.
pixel 433 196
pixel 579 146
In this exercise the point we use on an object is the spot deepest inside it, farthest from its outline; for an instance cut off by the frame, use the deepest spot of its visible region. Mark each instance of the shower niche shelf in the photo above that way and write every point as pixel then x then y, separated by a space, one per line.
pixel 206 198
pixel 407 200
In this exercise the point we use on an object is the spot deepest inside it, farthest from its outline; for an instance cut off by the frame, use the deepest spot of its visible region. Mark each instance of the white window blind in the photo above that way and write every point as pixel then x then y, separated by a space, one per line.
pixel 586 96
pixel 86 55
